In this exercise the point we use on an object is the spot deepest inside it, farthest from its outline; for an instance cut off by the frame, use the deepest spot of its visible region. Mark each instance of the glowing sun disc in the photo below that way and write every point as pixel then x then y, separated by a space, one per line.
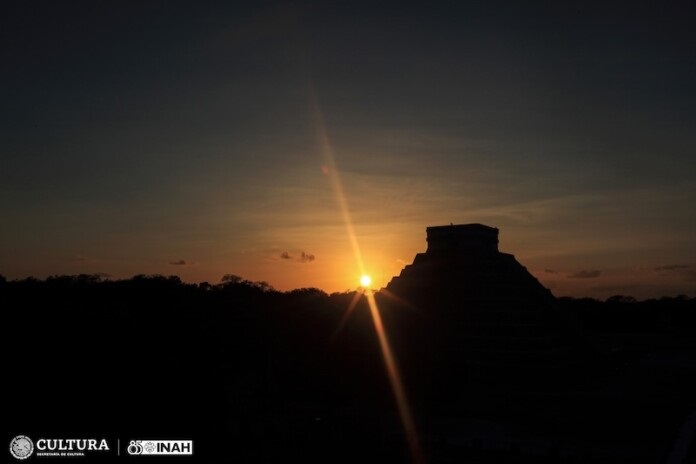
pixel 365 281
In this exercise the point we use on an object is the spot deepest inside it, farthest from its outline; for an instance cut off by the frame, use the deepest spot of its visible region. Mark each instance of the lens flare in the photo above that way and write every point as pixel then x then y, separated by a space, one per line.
pixel 395 380
pixel 329 169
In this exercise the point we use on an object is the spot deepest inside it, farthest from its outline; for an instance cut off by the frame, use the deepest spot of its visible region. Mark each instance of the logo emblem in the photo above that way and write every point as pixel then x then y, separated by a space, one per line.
pixel 135 447
pixel 160 447
pixel 21 447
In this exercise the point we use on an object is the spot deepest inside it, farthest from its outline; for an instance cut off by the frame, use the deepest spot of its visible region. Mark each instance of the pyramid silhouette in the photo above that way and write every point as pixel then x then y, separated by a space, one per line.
pixel 491 315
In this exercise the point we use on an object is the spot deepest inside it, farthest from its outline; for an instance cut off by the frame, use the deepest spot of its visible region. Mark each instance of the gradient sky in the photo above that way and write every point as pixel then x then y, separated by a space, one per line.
pixel 197 139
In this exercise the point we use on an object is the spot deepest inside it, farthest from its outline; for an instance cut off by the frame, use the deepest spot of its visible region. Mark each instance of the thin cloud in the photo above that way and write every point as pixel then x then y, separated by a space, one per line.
pixel 621 288
pixel 303 257
pixel 181 262
pixel 685 271
pixel 585 274
pixel 550 271
pixel 671 267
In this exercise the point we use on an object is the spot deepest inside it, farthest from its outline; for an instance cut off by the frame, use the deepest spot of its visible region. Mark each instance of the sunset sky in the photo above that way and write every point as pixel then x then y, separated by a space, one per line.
pixel 201 139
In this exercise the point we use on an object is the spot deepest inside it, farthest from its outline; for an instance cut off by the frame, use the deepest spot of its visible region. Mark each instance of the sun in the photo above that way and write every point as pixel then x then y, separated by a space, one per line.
pixel 365 281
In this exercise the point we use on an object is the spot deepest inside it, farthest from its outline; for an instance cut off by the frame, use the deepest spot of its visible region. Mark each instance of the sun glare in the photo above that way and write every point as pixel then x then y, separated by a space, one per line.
pixel 365 281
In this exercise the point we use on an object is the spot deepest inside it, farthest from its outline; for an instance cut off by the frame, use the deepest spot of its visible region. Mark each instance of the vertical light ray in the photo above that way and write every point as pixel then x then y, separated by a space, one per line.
pixel 331 171
pixel 397 385
pixel 399 300
pixel 393 375
pixel 346 316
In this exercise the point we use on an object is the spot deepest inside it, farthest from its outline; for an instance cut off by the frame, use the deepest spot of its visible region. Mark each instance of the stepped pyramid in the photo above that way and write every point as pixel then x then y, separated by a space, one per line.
pixel 493 314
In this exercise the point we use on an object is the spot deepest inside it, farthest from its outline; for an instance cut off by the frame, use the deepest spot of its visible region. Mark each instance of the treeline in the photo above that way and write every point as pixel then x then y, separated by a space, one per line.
pixel 267 373
pixel 622 313
pixel 159 295
pixel 248 372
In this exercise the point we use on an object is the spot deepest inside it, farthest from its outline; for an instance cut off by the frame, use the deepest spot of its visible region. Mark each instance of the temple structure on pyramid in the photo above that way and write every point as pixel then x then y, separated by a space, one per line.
pixel 462 264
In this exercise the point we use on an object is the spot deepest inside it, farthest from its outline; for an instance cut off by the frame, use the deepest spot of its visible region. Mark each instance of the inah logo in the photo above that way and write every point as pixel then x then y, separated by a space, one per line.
pixel 160 447
pixel 21 447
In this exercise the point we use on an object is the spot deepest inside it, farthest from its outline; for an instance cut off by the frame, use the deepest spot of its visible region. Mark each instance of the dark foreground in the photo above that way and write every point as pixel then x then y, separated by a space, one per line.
pixel 254 375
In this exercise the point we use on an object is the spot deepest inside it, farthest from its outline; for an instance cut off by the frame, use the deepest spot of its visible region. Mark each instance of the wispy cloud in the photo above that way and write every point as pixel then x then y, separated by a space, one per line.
pixel 585 274
pixel 683 271
pixel 180 262
pixel 618 288
pixel 303 257
pixel 671 267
